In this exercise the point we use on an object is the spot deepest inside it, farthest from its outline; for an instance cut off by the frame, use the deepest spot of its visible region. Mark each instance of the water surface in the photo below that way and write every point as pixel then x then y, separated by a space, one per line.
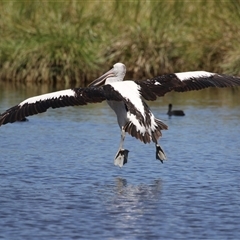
pixel 58 181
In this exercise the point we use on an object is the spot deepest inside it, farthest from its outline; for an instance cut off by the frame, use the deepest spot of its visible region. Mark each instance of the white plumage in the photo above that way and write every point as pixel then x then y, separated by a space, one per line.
pixel 195 74
pixel 48 96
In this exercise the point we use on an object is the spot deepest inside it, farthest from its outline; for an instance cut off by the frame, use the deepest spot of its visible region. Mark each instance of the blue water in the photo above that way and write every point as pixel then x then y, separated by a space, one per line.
pixel 58 180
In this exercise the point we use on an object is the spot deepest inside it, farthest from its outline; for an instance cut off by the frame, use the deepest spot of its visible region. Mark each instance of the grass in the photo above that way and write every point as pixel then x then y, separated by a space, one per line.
pixel 76 41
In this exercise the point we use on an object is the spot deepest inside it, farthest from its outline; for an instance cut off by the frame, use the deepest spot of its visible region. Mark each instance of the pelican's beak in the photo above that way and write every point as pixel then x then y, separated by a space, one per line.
pixel 101 80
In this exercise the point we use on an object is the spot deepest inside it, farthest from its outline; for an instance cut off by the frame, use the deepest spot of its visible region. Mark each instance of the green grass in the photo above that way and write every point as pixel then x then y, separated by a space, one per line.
pixel 76 41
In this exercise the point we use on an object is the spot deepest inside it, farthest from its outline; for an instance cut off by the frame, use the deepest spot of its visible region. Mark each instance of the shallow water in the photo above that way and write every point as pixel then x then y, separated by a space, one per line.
pixel 58 181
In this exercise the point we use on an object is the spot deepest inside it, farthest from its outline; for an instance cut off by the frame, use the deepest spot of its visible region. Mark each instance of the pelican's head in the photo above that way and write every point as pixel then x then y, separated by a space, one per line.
pixel 116 74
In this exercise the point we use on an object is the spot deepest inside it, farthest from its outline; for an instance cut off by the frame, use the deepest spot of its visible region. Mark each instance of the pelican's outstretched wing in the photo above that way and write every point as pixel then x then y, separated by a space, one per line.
pixel 64 98
pixel 148 89
pixel 185 81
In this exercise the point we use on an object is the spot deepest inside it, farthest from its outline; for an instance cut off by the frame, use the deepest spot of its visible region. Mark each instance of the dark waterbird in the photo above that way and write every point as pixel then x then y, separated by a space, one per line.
pixel 126 98
pixel 23 120
pixel 174 112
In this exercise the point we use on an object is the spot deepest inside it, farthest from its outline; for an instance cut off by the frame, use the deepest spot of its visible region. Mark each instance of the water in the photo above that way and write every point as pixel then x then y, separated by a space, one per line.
pixel 58 181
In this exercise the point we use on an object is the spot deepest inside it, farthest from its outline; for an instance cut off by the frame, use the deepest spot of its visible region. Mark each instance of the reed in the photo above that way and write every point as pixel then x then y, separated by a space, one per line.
pixel 75 41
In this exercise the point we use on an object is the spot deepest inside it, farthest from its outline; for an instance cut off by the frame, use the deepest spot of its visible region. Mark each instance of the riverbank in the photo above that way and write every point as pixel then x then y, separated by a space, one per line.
pixel 76 41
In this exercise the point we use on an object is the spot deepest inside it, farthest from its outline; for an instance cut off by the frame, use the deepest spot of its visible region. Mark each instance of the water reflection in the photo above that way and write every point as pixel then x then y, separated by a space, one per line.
pixel 130 191
pixel 131 203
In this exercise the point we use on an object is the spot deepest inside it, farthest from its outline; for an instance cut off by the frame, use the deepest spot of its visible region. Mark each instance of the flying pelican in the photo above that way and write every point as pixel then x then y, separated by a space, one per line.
pixel 126 99
pixel 174 112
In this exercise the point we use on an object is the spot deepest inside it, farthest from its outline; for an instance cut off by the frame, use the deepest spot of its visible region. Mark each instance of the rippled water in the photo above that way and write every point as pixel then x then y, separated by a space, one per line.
pixel 58 181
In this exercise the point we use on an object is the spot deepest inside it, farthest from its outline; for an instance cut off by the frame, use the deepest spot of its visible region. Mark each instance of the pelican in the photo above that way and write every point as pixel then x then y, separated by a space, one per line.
pixel 126 98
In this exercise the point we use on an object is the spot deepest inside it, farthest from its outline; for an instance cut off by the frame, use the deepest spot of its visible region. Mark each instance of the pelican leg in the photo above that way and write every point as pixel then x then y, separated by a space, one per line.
pixel 122 154
pixel 160 155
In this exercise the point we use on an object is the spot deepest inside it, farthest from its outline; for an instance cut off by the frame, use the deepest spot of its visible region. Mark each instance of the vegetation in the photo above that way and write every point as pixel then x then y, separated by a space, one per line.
pixel 76 41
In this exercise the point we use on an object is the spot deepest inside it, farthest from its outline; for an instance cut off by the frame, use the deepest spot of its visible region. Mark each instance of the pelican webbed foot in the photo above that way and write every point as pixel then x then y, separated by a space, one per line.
pixel 160 155
pixel 121 157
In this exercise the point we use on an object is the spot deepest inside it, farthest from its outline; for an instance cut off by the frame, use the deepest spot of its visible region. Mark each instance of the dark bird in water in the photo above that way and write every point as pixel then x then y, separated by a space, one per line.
pixel 126 98
pixel 174 112
pixel 23 120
